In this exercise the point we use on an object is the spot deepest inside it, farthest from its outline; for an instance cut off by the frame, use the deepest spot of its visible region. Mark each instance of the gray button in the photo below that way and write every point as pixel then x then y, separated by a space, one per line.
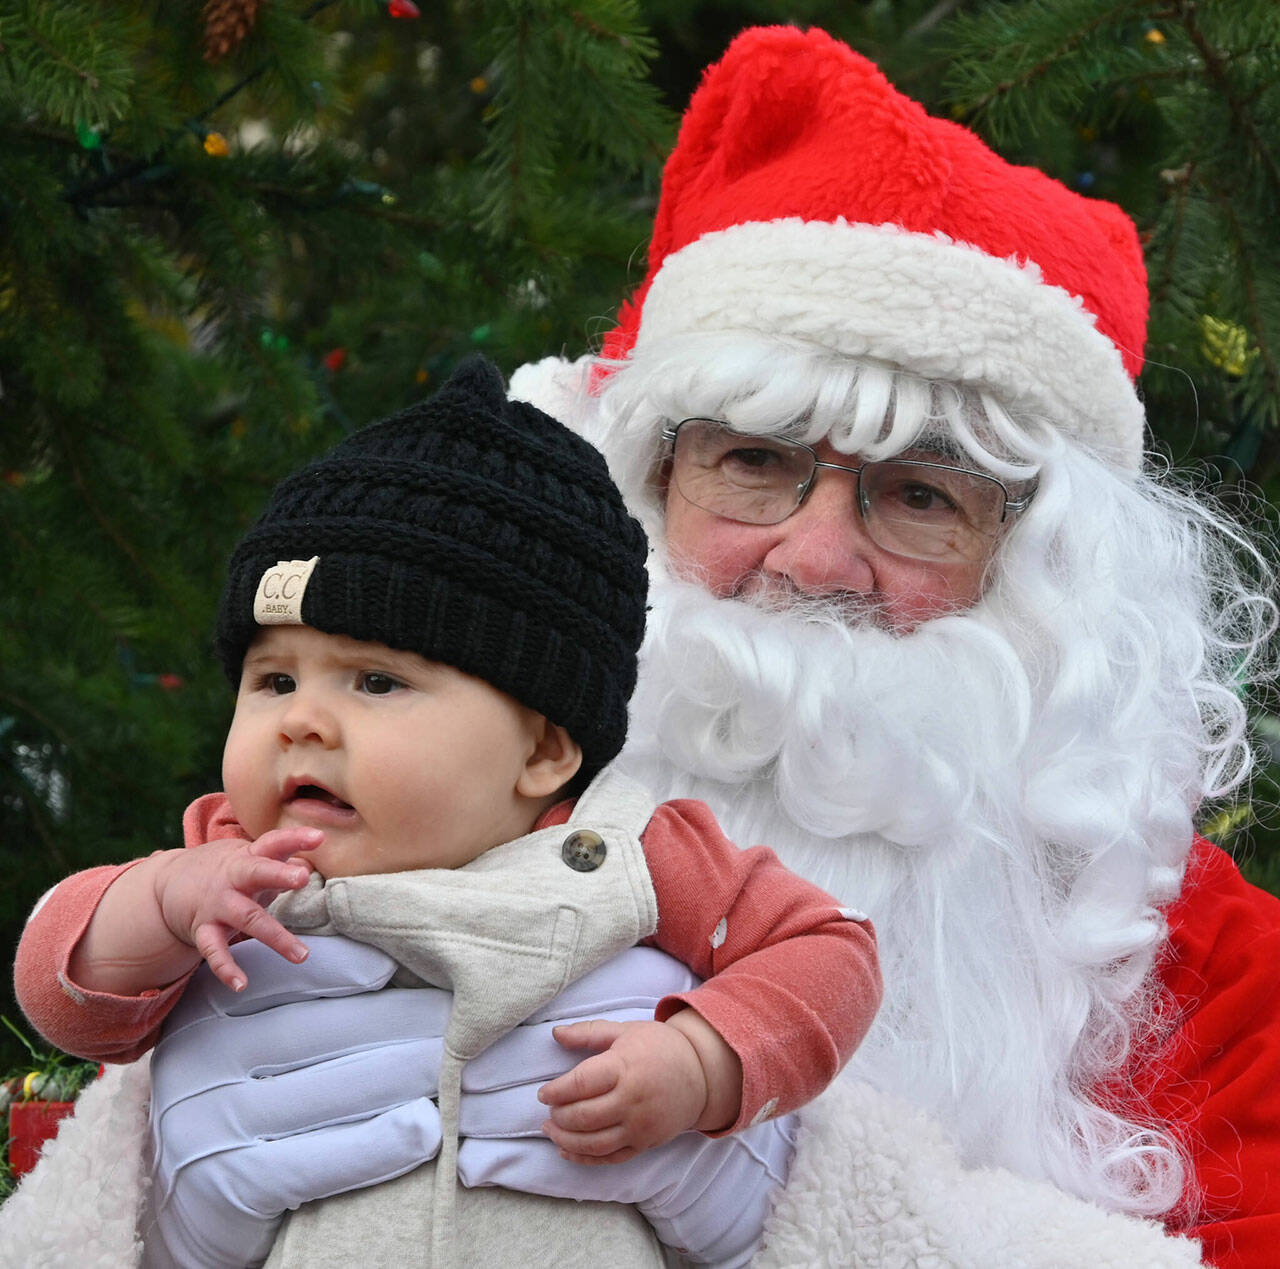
pixel 583 850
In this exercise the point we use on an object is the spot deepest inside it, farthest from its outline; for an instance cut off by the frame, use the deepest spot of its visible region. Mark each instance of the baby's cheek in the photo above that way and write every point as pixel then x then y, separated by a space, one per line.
pixel 245 793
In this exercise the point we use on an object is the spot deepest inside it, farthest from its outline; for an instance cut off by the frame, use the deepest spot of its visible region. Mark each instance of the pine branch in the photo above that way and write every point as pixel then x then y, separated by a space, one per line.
pixel 63 66
pixel 1257 322
pixel 284 195
pixel 943 9
pixel 1110 15
pixel 592 27
pixel 278 196
pixel 22 706
pixel 1160 292
pixel 1216 65
pixel 520 135
pixel 56 56
pixel 84 194
pixel 37 814
pixel 122 542
pixel 233 92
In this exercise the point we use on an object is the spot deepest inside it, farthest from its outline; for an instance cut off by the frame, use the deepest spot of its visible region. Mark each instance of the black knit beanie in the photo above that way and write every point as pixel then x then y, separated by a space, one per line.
pixel 474 531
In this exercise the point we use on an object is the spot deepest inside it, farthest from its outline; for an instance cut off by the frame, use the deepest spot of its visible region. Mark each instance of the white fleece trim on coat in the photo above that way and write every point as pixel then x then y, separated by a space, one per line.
pixel 877 1183
pixel 874 1183
pixel 924 302
pixel 79 1205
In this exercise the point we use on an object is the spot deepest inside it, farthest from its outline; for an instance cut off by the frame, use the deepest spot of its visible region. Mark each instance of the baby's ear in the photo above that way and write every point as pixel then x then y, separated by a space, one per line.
pixel 554 761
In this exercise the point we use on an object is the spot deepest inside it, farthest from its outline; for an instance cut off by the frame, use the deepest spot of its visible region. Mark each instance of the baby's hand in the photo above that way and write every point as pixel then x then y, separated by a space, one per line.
pixel 208 893
pixel 653 1081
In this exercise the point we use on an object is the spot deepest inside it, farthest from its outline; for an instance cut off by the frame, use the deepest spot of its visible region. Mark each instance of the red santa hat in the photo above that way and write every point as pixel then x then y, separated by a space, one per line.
pixel 807 197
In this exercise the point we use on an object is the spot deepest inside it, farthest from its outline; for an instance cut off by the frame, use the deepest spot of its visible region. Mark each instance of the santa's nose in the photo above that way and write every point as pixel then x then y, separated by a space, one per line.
pixel 822 548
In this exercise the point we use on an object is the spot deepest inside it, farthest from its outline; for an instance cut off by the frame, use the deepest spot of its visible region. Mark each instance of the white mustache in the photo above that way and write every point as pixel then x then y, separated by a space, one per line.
pixel 783 596
pixel 859 730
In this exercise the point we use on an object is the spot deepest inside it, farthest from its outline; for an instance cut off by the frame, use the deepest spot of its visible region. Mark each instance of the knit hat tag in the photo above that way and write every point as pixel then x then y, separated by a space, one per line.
pixel 278 601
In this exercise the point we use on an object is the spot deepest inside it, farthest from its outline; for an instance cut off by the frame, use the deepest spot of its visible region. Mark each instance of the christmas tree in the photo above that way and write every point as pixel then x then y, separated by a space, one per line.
pixel 233 231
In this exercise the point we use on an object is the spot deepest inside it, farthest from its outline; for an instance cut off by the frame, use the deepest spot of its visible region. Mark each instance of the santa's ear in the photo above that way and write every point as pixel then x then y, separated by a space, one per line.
pixel 554 761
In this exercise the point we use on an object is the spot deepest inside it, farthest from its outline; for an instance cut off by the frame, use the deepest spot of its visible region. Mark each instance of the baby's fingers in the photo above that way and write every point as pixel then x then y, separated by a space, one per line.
pixel 256 922
pixel 592 1078
pixel 596 1033
pixel 263 879
pixel 610 1145
pixel 281 843
pixel 242 914
pixel 211 943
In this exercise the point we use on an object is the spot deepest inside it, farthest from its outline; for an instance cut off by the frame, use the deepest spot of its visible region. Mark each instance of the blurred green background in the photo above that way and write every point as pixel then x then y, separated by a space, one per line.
pixel 231 232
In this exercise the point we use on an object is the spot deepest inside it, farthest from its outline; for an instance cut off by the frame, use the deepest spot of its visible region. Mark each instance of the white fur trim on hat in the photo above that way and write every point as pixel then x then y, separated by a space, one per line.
pixel 923 302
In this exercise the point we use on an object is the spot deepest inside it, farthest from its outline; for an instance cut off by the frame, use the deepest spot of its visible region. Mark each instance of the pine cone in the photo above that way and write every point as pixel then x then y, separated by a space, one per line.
pixel 226 23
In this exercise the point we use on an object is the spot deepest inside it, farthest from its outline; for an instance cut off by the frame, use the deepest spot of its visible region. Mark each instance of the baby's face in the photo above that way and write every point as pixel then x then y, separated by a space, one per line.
pixel 403 762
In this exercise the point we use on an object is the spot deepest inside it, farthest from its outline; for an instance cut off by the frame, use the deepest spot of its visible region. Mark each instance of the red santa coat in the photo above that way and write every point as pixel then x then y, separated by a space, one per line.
pixel 1215 1077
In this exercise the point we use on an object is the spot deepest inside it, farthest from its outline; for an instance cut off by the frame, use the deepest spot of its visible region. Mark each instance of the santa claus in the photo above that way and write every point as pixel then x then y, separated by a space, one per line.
pixel 923 621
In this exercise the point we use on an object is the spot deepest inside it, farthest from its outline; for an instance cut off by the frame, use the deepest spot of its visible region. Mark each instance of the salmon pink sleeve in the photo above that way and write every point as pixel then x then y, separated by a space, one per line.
pixel 793 980
pixel 94 1025
pixel 209 819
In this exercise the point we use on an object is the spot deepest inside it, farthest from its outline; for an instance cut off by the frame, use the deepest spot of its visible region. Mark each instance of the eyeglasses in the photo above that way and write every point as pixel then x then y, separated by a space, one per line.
pixel 925 511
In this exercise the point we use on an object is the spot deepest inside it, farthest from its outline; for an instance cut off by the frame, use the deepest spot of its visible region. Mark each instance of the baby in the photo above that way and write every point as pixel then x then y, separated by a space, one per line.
pixel 434 631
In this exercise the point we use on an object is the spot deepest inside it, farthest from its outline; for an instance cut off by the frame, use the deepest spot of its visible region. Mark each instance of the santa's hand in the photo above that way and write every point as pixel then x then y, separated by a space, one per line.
pixel 708 1197
pixel 309 1083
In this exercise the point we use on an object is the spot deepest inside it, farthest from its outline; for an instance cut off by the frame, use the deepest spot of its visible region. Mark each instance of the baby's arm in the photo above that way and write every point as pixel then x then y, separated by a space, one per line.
pixel 793 981
pixel 652 1081
pixel 100 1025
pixel 157 919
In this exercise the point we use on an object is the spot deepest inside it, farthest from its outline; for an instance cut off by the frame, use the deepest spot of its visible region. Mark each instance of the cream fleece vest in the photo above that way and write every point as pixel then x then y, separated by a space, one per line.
pixel 506 934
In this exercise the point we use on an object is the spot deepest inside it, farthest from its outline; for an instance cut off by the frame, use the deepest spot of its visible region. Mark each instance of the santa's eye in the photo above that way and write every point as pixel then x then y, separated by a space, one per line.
pixel 916 496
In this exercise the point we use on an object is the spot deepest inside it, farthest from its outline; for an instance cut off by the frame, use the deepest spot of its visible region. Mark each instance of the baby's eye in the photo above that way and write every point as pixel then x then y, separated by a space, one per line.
pixel 276 683
pixel 375 683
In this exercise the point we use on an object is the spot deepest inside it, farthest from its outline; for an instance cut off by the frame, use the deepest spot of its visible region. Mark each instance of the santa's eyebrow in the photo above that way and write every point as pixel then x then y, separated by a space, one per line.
pixel 939 442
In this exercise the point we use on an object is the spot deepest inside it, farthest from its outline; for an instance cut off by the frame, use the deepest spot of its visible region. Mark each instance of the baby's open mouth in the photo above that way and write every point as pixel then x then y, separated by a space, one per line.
pixel 318 793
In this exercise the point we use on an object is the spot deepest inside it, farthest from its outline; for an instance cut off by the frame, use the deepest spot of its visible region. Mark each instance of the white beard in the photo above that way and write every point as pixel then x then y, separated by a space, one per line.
pixel 918 778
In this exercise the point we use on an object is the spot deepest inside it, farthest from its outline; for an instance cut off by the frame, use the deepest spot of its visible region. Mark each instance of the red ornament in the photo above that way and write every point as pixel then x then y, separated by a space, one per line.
pixel 403 9
pixel 170 682
pixel 31 1124
pixel 335 359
